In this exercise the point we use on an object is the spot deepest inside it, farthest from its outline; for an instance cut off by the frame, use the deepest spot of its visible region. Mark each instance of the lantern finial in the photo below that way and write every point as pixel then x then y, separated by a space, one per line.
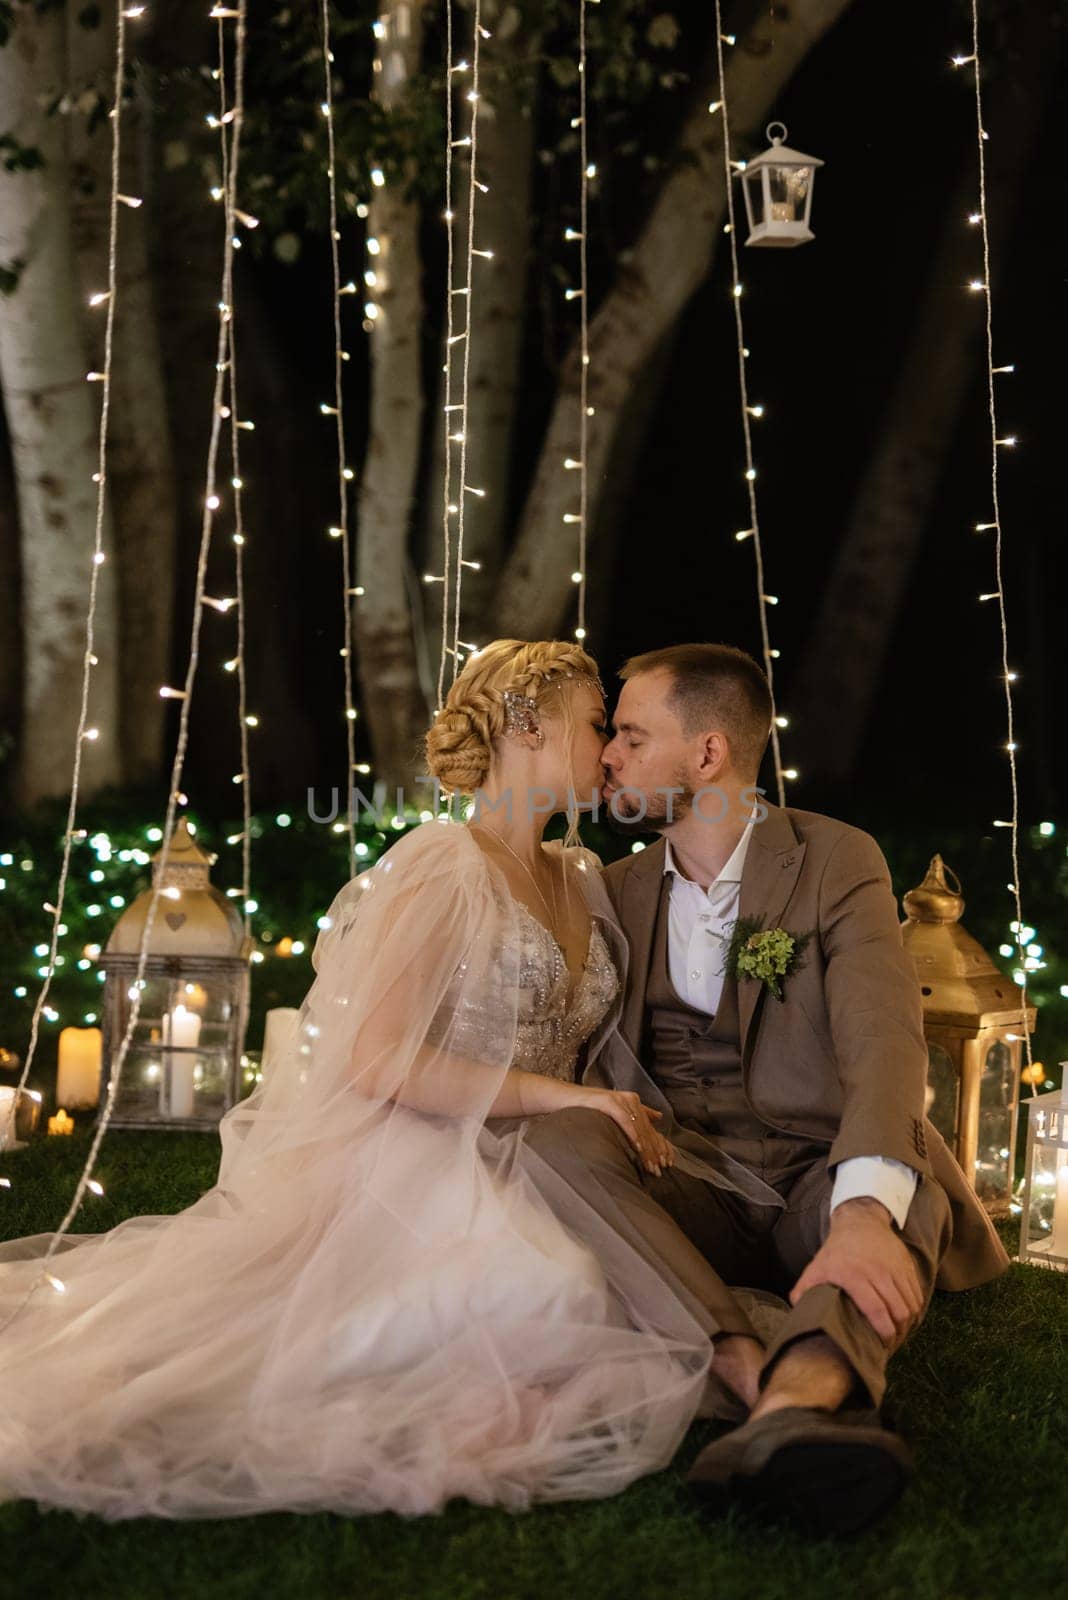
pixel 934 900
pixel 186 866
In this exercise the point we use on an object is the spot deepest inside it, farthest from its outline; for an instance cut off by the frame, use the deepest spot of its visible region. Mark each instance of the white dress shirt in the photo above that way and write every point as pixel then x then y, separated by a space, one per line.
pixel 697 941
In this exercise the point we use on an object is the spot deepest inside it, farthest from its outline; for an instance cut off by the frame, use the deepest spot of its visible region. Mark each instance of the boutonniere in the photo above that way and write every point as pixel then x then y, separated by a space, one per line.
pixel 770 954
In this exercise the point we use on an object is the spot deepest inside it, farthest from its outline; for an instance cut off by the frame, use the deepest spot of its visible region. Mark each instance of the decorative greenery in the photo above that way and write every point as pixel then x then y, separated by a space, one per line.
pixel 771 955
pixel 297 865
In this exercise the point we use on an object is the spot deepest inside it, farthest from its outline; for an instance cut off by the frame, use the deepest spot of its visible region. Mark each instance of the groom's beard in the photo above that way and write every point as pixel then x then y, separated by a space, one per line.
pixel 662 811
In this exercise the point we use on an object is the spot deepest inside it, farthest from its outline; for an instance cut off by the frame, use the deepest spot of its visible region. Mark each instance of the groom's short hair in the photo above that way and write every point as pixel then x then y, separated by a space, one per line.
pixel 715 686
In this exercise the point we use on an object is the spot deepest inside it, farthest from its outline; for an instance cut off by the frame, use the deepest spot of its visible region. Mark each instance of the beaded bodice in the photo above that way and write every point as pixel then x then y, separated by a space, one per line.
pixel 555 1019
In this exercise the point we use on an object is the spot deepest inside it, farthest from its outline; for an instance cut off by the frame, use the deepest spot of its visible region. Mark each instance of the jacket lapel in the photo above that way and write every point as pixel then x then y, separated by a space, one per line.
pixel 772 866
pixel 638 907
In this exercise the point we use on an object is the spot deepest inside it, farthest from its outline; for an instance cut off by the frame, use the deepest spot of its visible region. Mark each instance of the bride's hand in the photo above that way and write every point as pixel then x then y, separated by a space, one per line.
pixel 626 1108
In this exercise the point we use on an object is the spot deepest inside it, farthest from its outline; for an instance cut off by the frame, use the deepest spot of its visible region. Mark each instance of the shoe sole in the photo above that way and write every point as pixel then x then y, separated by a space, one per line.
pixel 820 1486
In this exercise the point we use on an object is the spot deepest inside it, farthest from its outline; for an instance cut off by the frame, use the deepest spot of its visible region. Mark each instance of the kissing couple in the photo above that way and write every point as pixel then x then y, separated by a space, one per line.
pixel 557 1160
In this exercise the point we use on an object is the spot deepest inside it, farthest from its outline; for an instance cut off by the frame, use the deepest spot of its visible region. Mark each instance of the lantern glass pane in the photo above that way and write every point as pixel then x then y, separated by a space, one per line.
pixel 944 1080
pixel 788 193
pixel 182 1064
pixel 753 188
pixel 997 1084
pixel 1047 1220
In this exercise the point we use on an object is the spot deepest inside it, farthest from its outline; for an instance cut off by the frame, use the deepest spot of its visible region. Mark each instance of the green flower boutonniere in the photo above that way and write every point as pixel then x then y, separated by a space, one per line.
pixel 770 955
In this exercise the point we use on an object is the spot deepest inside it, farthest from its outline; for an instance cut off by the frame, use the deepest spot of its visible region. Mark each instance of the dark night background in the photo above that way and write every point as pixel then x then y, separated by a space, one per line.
pixel 880 102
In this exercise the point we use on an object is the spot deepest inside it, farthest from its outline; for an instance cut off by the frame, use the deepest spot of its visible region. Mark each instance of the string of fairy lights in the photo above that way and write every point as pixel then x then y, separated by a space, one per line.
pixel 344 474
pixel 230 413
pixel 232 116
pixel 225 409
pixel 749 411
pixel 456 412
pixel 450 254
pixel 998 442
pixel 586 171
pixel 108 298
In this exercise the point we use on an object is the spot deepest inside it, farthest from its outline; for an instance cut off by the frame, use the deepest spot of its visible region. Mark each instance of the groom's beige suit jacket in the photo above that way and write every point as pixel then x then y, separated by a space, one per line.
pixel 842 1058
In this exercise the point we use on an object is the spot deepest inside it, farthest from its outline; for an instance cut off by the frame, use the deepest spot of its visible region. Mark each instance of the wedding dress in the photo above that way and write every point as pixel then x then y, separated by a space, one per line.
pixel 376 1306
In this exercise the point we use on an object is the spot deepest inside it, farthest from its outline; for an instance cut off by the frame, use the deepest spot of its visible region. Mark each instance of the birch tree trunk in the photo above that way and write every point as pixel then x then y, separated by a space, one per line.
pixel 52 420
pixel 943 361
pixel 384 618
pixel 670 259
pixel 10 616
pixel 141 470
pixel 502 221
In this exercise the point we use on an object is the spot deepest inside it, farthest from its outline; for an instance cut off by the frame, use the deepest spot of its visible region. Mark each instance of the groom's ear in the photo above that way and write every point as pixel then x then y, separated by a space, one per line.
pixel 713 753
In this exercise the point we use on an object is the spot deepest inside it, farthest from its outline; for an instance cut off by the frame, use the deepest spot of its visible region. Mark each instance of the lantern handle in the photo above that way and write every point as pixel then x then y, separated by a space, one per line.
pixel 776 138
pixel 947 868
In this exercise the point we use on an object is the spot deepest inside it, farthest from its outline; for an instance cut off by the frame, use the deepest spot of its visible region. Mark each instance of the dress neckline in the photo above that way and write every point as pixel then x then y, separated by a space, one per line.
pixel 574 984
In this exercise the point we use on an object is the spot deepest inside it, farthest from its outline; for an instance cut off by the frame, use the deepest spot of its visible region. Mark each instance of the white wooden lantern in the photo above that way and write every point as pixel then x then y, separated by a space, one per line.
pixel 777 186
pixel 183 1067
pixel 1044 1202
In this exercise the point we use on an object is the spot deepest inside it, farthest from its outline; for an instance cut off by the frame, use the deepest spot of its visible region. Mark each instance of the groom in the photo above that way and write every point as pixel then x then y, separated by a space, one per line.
pixel 850 1203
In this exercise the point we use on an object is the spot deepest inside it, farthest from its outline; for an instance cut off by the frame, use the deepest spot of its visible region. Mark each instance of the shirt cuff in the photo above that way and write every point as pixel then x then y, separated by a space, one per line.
pixel 879 1178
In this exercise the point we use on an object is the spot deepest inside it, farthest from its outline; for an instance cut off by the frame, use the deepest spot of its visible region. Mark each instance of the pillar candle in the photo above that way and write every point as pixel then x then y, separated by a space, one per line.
pixel 7 1117
pixel 277 1033
pixel 80 1050
pixel 180 1027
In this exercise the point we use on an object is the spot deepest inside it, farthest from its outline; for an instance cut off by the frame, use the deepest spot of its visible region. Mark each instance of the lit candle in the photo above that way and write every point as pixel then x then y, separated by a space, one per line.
pixel 181 1028
pixel 80 1050
pixel 61 1123
pixel 276 1035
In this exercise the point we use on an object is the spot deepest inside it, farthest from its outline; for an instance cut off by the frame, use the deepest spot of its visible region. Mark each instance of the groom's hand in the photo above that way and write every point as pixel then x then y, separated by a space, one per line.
pixel 864 1256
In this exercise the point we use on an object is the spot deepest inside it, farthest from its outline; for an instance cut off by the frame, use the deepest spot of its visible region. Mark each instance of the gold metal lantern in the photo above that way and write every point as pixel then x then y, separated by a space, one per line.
pixel 777 185
pixel 183 1066
pixel 974 1024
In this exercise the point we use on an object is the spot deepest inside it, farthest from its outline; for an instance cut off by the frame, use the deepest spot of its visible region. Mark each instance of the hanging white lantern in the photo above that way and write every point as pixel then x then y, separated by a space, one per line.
pixel 778 192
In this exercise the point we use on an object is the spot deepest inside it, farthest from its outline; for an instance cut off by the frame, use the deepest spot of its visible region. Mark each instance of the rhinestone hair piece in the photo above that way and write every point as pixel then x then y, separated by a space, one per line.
pixel 520 713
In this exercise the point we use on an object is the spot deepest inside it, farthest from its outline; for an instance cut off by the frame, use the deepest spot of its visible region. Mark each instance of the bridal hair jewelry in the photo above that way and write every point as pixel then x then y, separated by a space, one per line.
pixel 521 715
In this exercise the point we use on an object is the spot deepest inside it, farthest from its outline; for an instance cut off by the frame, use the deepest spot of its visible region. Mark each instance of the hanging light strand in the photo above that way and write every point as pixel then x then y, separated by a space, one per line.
pixel 339 421
pixel 211 502
pixel 446 510
pixel 479 33
pixel 584 327
pixel 753 530
pixel 237 485
pixel 996 442
pixel 90 658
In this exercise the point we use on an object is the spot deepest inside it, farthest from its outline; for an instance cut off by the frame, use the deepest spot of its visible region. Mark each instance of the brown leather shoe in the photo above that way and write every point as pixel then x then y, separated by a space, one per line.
pixel 826 1472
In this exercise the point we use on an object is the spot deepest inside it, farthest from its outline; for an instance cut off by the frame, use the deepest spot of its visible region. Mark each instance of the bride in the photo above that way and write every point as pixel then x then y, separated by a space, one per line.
pixel 383 1301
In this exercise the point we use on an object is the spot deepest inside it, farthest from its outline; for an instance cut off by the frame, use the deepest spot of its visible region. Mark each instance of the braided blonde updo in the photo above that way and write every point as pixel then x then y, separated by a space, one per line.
pixel 459 743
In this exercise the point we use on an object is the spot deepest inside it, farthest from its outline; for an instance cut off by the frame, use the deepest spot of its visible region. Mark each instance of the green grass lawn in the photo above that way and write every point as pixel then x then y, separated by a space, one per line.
pixel 981 1392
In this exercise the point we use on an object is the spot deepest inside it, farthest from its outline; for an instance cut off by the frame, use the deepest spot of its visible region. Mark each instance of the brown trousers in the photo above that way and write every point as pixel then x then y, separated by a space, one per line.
pixel 708 1238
